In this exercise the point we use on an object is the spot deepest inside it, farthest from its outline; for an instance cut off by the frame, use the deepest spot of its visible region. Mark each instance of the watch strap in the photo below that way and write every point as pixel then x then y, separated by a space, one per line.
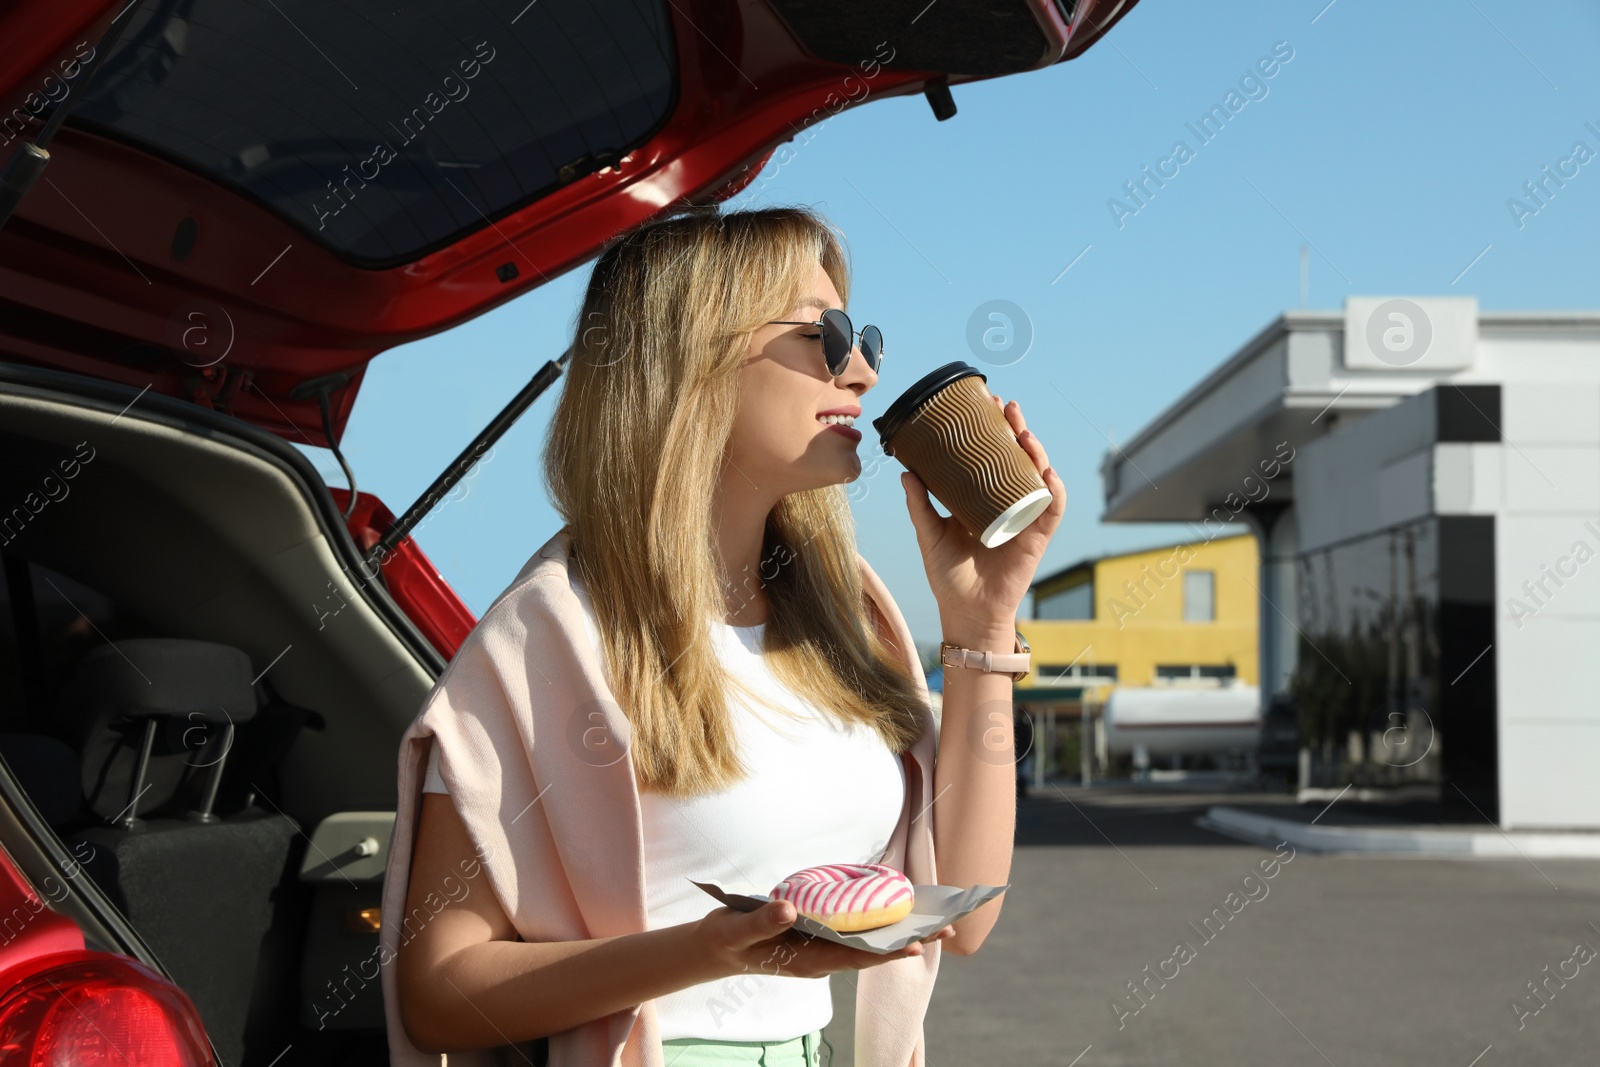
pixel 1012 663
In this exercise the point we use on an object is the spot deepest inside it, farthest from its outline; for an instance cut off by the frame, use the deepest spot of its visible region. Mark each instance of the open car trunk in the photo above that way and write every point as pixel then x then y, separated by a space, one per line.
pixel 247 202
pixel 137 517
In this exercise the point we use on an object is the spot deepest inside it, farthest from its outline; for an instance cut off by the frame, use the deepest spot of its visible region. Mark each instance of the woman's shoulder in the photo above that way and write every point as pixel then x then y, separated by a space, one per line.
pixel 544 597
pixel 536 617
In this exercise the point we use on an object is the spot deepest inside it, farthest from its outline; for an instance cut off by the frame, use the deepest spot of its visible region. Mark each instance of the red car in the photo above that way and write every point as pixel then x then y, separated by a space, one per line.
pixel 213 214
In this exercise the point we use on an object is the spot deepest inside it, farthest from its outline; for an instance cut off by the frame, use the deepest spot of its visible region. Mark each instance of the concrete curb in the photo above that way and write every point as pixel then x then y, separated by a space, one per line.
pixel 1401 841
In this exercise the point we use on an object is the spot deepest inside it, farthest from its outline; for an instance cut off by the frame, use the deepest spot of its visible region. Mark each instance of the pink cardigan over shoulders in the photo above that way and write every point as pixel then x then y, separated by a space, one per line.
pixel 534 750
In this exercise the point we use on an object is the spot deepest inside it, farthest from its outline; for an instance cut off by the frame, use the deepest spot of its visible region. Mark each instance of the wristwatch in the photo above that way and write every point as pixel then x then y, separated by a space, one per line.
pixel 1017 664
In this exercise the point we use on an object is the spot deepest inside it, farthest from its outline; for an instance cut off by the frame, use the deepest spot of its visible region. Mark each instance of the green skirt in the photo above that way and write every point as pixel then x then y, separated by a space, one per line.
pixel 807 1050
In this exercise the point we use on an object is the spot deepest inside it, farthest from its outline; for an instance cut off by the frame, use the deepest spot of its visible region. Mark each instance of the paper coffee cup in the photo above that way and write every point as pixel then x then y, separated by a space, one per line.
pixel 947 430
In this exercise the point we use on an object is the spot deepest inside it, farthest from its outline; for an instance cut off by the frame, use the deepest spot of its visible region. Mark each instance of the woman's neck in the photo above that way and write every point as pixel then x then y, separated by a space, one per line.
pixel 739 529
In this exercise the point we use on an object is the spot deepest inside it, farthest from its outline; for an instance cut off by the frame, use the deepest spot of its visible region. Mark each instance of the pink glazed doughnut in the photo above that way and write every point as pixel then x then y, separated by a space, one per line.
pixel 849 896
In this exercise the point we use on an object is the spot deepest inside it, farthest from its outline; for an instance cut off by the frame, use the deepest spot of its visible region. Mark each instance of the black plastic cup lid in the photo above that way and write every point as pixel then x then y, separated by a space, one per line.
pixel 919 394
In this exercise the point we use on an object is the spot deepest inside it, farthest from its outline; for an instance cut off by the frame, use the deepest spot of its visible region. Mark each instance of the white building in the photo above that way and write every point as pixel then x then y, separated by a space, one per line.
pixel 1424 479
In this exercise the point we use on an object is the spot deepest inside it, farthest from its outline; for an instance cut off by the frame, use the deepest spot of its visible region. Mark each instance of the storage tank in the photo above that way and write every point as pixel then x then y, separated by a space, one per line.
pixel 1169 721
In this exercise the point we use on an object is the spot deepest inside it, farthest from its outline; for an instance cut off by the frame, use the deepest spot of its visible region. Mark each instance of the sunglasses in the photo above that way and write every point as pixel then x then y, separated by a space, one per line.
pixel 838 339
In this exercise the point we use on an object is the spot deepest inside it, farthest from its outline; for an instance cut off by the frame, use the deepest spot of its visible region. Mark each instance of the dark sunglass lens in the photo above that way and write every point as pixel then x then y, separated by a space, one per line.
pixel 872 346
pixel 836 340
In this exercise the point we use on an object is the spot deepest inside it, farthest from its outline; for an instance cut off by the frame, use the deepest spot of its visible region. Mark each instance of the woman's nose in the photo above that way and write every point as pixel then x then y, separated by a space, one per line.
pixel 859 371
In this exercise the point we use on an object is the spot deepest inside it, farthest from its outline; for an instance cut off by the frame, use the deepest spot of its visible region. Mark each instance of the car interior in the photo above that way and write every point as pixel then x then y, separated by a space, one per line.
pixel 194 677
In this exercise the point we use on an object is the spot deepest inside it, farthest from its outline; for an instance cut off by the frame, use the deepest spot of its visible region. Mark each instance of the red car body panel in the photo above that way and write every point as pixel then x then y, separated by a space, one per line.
pixel 410 577
pixel 33 932
pixel 29 928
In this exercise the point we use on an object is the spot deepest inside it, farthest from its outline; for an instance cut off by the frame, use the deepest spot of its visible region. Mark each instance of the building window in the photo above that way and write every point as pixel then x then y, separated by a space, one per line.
pixel 1194 674
pixel 1072 605
pixel 1199 596
pixel 1077 674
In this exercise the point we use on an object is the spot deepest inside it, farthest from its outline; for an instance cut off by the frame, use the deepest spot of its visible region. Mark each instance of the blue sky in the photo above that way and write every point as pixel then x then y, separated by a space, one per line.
pixel 1392 140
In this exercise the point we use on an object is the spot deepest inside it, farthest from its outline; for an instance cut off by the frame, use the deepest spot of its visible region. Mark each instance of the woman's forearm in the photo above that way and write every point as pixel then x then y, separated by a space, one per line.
pixel 506 992
pixel 975 789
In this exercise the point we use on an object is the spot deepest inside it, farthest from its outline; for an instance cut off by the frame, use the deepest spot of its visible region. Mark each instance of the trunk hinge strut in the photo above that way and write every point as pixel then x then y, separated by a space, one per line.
pixel 470 455
pixel 27 163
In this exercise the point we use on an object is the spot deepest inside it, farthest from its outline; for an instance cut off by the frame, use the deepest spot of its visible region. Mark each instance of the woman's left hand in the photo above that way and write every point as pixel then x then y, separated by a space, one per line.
pixel 979 588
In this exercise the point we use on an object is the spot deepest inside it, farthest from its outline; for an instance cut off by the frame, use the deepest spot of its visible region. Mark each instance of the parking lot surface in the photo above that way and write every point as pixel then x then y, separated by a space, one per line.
pixel 1334 959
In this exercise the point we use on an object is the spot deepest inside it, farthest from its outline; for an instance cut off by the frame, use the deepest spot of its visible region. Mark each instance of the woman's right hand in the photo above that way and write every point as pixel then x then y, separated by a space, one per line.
pixel 763 941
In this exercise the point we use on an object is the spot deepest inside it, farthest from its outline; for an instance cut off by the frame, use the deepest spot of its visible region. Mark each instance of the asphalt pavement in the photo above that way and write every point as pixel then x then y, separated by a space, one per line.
pixel 1131 936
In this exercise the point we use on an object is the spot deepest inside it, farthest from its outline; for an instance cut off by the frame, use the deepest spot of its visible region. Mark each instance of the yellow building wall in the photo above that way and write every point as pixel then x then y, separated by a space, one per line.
pixel 1139 616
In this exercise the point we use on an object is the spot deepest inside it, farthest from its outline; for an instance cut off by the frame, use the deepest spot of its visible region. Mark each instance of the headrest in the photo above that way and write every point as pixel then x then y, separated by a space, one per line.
pixel 144 676
pixel 190 688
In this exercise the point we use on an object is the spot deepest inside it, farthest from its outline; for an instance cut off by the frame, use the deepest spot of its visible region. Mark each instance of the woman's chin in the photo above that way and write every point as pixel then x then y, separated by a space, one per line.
pixel 838 476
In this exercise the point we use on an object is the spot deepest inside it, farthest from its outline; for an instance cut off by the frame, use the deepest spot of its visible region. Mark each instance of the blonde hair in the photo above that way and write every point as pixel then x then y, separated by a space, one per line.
pixel 632 462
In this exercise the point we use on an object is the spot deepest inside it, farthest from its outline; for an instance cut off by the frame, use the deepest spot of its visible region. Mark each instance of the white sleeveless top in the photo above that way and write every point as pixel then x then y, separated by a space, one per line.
pixel 819 792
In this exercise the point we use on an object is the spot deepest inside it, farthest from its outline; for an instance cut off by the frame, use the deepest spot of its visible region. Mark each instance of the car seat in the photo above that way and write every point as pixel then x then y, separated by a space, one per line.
pixel 154 719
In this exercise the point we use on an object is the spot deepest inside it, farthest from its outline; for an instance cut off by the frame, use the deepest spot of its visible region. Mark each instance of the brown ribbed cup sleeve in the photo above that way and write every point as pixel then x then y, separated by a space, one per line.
pixel 961 446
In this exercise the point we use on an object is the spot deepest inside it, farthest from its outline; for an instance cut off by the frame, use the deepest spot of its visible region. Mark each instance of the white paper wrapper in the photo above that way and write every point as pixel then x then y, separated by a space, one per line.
pixel 934 907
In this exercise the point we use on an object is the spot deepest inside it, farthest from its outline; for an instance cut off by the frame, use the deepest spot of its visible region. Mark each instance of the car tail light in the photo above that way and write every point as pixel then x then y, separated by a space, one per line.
pixel 88 1009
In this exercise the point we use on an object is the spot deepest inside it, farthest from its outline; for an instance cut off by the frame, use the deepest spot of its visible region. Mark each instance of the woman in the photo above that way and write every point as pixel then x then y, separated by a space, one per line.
pixel 706 580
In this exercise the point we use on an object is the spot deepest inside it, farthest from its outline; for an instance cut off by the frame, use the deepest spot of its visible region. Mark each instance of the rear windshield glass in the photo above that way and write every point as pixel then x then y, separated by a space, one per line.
pixel 386 131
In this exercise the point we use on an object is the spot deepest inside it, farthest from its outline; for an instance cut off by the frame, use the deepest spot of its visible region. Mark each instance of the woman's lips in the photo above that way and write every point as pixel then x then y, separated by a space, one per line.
pixel 848 431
